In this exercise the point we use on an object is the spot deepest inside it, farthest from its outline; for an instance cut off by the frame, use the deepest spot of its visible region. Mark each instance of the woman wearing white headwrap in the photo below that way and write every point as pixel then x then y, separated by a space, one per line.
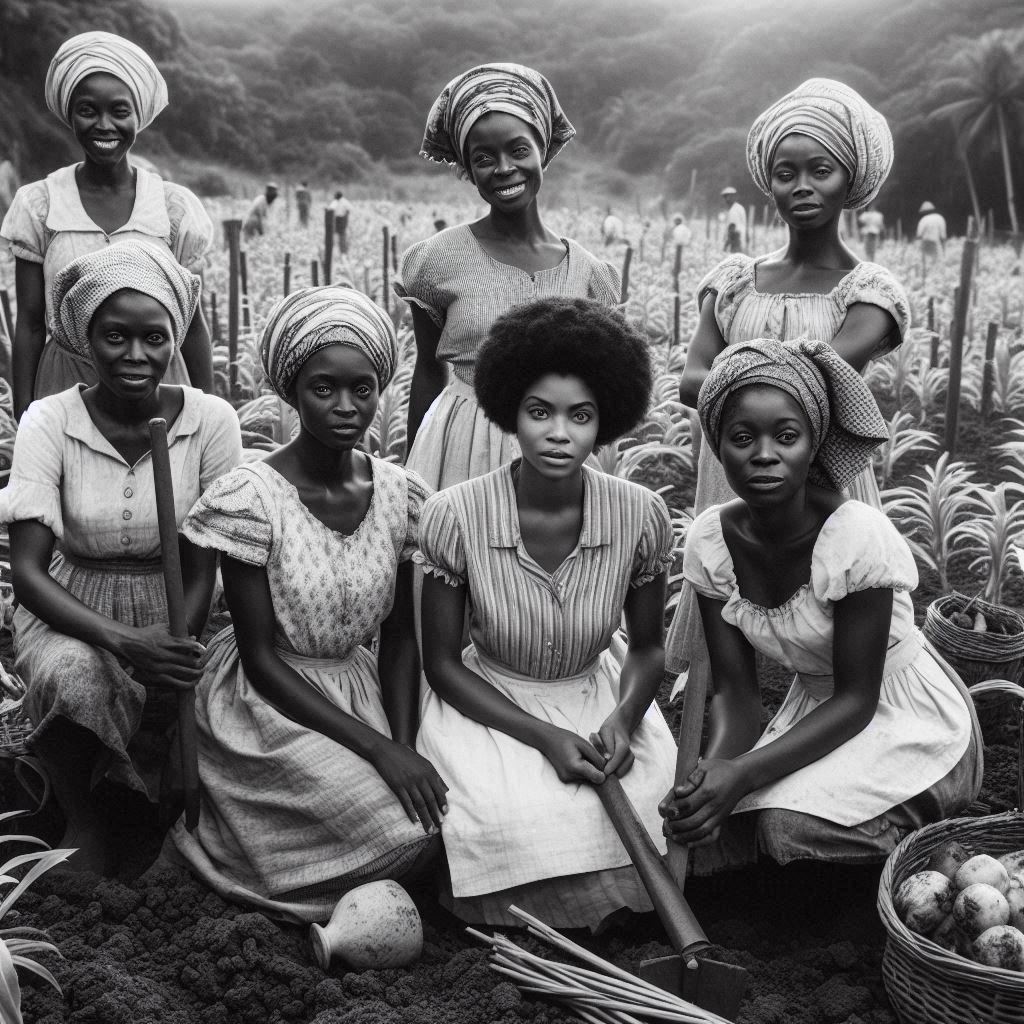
pixel 876 736
pixel 106 90
pixel 91 638
pixel 498 125
pixel 817 151
pixel 310 781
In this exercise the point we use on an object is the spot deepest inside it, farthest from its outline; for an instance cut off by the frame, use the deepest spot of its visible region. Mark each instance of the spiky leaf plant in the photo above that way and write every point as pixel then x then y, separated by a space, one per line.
pixel 988 538
pixel 904 440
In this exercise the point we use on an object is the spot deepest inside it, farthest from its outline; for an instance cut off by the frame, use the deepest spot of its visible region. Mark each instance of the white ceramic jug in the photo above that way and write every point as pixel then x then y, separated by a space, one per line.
pixel 374 925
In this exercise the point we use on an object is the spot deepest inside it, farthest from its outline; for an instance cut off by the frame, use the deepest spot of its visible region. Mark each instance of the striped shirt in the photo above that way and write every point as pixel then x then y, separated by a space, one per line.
pixel 539 624
pixel 464 290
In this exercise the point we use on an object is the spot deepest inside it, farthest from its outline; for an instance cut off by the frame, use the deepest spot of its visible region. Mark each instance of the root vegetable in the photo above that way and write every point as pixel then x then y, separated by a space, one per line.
pixel 981 868
pixel 946 934
pixel 962 620
pixel 924 900
pixel 948 860
pixel 980 625
pixel 978 908
pixel 1013 862
pixel 1015 900
pixel 1000 946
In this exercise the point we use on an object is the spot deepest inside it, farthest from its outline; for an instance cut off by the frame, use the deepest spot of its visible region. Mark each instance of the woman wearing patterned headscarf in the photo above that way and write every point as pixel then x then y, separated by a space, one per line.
pixel 91 638
pixel 817 151
pixel 310 782
pixel 106 90
pixel 499 126
pixel 877 735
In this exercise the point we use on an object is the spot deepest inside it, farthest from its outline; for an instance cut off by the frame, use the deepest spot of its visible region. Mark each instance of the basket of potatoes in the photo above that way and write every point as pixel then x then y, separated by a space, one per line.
pixel 951 897
pixel 980 640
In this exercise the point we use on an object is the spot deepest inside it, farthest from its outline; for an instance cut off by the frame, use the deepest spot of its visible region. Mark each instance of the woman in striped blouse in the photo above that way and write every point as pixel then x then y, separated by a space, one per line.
pixel 547 555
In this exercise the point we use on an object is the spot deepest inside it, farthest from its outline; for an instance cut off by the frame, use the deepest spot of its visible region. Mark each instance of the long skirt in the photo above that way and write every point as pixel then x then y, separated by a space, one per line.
pixel 289 818
pixel 514 833
pixel 70 679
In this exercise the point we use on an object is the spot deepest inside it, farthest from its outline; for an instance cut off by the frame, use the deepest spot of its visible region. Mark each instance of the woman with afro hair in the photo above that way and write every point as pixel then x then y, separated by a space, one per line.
pixel 547 555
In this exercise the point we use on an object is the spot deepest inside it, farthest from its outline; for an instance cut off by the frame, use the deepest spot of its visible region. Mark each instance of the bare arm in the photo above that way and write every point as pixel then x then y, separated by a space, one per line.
pixel 29 332
pixel 197 352
pixel 399 662
pixel 429 375
pixel 863 333
pixel 642 672
pixel 443 610
pixel 412 778
pixel 706 343
pixel 159 658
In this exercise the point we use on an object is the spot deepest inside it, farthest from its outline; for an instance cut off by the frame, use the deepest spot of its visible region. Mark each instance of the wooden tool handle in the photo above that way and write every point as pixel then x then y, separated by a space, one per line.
pixel 170 556
pixel 684 932
pixel 691 726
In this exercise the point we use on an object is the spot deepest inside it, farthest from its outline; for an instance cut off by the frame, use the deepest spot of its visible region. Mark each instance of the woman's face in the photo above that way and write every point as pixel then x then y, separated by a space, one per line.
pixel 132 340
pixel 336 396
pixel 103 118
pixel 557 425
pixel 766 445
pixel 504 157
pixel 808 184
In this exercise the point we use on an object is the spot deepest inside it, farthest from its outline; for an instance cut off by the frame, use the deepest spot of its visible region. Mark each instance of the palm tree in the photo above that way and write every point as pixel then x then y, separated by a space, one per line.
pixel 987 79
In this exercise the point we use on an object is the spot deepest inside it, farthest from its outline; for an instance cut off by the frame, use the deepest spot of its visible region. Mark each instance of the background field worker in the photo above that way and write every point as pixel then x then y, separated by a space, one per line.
pixel 735 221
pixel 872 224
pixel 931 231
pixel 303 201
pixel 256 219
pixel 681 233
pixel 612 229
pixel 341 208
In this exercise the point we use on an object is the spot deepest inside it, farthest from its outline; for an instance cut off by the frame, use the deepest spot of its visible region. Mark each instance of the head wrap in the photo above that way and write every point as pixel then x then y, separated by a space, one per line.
pixel 306 321
pixel 87 282
pixel 509 88
pixel 846 426
pixel 93 52
pixel 927 207
pixel 841 120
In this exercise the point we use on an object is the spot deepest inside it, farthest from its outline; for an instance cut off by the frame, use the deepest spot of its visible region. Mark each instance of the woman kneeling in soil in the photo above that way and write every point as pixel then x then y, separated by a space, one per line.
pixel 547 555
pixel 90 632
pixel 876 736
pixel 309 782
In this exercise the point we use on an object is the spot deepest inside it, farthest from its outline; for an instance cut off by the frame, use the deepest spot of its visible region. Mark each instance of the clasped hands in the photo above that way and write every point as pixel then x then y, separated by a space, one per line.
pixel 695 810
pixel 576 759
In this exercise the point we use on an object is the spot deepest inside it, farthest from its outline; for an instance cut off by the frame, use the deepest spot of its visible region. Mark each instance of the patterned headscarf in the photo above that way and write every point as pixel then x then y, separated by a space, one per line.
pixel 509 88
pixel 306 321
pixel 840 119
pixel 93 52
pixel 846 426
pixel 87 282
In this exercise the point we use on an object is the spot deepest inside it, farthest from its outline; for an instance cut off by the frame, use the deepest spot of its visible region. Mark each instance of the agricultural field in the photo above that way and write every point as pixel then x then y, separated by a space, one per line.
pixel 154 946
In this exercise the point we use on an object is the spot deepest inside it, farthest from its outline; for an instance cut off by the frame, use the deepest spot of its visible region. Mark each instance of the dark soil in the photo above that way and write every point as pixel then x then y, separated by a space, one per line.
pixel 155 946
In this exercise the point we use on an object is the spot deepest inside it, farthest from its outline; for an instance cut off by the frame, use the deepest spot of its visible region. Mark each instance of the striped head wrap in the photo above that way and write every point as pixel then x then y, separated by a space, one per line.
pixel 840 119
pixel 93 52
pixel 509 88
pixel 87 282
pixel 846 426
pixel 306 321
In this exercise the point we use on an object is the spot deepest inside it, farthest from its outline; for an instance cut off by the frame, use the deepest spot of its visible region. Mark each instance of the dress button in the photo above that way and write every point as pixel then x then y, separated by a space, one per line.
pixel 126 540
pixel 128 492
pixel 126 515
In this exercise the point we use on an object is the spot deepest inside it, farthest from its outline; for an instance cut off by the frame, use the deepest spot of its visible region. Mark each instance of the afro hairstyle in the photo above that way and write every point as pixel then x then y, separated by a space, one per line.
pixel 571 337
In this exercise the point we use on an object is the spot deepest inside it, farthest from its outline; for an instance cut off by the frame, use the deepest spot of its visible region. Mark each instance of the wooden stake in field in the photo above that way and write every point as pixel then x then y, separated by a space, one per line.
pixel 5 305
pixel 243 277
pixel 394 253
pixel 956 337
pixel 233 237
pixel 287 283
pixel 677 269
pixel 328 244
pixel 988 376
pixel 933 335
pixel 6 351
pixel 385 285
pixel 626 261
pixel 314 273
pixel 214 320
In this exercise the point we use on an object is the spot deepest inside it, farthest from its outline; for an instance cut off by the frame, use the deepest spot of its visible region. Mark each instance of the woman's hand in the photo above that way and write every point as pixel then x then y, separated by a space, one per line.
pixel 159 659
pixel 695 810
pixel 612 741
pixel 414 780
pixel 573 758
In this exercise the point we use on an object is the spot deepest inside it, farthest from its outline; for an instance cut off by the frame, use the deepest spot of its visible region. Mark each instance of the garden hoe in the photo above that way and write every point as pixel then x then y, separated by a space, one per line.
pixel 709 984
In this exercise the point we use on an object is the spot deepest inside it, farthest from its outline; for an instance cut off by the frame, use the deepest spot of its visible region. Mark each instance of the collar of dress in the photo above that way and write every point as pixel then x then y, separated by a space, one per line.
pixel 66 212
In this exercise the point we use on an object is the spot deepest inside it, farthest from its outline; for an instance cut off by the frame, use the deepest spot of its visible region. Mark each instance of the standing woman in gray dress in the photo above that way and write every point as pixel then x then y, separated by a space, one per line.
pixel 500 125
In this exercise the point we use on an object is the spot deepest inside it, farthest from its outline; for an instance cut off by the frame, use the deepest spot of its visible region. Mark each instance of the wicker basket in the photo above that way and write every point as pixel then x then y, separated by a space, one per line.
pixel 14 728
pixel 977 656
pixel 926 983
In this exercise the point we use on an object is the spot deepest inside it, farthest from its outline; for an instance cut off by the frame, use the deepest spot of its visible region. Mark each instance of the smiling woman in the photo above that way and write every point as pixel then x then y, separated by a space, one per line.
pixel 106 90
pixel 500 125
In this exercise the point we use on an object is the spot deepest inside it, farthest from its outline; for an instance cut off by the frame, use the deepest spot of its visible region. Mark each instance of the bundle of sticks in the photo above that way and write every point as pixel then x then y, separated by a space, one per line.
pixel 605 994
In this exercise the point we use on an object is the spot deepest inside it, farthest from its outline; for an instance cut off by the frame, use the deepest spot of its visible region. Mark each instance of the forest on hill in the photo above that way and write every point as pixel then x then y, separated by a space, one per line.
pixel 339 89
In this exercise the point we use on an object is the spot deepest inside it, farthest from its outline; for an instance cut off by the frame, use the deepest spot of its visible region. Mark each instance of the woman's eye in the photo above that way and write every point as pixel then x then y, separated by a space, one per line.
pixel 788 436
pixel 123 112
pixel 114 336
pixel 364 391
pixel 156 338
pixel 321 389
pixel 583 416
pixel 538 413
